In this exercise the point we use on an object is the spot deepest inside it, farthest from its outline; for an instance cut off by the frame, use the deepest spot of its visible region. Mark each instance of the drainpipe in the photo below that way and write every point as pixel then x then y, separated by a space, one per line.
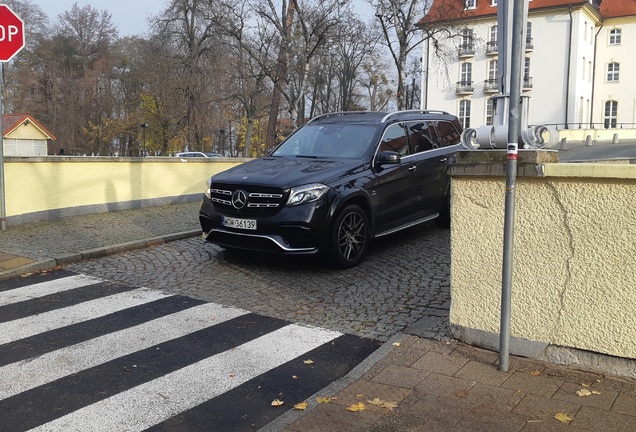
pixel 594 77
pixel 567 86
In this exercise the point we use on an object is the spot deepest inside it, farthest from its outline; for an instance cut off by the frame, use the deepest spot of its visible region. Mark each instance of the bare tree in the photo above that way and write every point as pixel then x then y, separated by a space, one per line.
pixel 397 20
pixel 402 21
pixel 376 83
pixel 189 24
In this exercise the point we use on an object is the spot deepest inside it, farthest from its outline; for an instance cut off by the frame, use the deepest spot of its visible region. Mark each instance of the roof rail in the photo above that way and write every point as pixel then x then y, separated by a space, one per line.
pixel 336 114
pixel 388 116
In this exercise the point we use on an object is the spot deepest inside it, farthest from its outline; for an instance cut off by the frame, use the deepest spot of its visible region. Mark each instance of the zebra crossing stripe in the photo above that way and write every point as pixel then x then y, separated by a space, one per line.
pixel 29 326
pixel 151 403
pixel 46 288
pixel 27 374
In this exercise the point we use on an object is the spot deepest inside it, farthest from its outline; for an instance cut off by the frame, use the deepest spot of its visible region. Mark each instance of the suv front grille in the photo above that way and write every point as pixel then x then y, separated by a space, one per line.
pixel 260 200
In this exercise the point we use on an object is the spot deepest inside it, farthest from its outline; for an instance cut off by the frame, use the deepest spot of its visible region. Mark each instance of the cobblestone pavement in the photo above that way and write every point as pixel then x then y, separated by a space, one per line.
pixel 403 284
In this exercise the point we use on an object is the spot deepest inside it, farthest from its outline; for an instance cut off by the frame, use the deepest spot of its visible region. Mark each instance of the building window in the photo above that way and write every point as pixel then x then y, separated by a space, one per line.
pixel 611 111
pixel 464 113
pixel 466 73
pixel 493 33
pixel 490 108
pixel 529 43
pixel 613 72
pixel 527 80
pixel 615 37
pixel 471 4
pixel 492 69
pixel 493 2
pixel 467 37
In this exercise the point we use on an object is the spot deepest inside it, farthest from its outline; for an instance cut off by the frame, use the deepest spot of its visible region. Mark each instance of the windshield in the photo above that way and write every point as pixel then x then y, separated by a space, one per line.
pixel 328 141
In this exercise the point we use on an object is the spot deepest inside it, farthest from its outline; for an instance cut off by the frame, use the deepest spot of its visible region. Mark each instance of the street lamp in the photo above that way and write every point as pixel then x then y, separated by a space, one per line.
pixel 144 126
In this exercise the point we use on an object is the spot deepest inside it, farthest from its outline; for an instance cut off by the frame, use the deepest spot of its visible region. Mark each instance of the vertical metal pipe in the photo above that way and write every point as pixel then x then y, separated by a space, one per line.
pixel 514 117
pixel 3 210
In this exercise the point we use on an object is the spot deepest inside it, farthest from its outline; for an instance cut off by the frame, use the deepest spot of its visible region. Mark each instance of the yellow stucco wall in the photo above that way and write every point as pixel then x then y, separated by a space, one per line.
pixel 41 184
pixel 574 267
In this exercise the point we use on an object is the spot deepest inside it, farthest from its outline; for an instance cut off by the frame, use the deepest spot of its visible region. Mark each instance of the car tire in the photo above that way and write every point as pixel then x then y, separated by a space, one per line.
pixel 350 237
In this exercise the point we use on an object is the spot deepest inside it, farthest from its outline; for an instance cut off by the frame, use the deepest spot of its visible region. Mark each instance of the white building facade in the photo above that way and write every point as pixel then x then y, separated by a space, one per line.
pixel 579 70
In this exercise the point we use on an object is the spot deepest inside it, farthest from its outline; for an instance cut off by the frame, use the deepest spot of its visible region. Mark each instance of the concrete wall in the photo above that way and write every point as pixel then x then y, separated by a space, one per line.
pixel 50 187
pixel 574 283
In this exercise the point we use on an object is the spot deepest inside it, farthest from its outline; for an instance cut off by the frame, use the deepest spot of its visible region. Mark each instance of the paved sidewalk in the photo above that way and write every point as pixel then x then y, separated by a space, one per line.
pixel 409 384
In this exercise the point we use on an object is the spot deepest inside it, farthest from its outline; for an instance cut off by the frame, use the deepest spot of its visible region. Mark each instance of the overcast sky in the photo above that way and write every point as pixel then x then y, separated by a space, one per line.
pixel 129 16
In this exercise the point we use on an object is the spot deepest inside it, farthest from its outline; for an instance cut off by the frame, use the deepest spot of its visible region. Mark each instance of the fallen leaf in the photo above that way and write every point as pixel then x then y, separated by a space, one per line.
pixel 323 399
pixel 583 393
pixel 563 418
pixel 535 373
pixel 461 393
pixel 294 377
pixel 585 385
pixel 359 395
pixel 277 403
pixel 396 344
pixel 356 407
pixel 596 392
pixel 376 401
pixel 308 361
pixel 390 405
pixel 301 406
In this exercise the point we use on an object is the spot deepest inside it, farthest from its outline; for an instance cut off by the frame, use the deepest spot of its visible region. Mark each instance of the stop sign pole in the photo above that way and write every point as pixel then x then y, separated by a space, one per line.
pixel 11 42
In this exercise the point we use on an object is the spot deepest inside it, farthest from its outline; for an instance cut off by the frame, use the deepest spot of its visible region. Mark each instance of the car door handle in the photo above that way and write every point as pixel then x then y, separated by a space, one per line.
pixel 412 168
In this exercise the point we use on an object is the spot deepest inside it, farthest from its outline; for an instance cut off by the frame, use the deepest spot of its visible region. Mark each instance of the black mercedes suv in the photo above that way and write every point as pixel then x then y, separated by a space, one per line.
pixel 336 183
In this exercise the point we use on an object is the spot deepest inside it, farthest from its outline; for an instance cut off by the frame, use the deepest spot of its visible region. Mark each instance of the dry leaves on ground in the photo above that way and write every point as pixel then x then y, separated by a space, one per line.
pixel 301 406
pixel 356 407
pixel 563 418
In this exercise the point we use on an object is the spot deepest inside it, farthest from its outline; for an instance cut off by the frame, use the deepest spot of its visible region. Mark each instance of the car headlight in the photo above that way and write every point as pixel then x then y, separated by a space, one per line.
pixel 207 190
pixel 306 194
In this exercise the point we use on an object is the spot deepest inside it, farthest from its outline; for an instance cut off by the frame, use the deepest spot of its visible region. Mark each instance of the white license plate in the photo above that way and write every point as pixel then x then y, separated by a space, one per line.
pixel 246 224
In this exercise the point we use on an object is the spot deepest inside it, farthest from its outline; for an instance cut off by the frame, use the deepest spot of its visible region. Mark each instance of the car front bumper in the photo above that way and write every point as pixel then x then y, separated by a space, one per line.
pixel 299 229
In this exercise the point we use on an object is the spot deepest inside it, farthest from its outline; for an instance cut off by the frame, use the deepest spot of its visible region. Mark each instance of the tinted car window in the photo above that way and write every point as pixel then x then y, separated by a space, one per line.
pixel 423 136
pixel 448 135
pixel 394 139
pixel 328 140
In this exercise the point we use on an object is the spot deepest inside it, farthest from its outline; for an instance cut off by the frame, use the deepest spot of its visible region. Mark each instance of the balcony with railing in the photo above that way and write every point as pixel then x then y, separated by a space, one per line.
pixel 529 44
pixel 491 85
pixel 527 83
pixel 466 50
pixel 464 88
pixel 492 48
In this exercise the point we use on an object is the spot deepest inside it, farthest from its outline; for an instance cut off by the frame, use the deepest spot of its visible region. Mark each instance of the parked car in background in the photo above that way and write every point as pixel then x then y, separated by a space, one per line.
pixel 198 154
pixel 336 183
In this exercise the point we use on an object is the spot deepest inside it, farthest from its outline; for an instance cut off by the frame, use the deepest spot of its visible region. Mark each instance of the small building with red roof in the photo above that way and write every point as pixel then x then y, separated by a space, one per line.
pixel 23 135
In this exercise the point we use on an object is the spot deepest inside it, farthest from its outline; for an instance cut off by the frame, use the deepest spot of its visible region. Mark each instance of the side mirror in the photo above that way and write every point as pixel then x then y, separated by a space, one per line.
pixel 388 158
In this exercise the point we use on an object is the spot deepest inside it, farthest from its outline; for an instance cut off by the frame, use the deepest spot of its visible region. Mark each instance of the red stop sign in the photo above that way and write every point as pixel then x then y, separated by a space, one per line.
pixel 11 33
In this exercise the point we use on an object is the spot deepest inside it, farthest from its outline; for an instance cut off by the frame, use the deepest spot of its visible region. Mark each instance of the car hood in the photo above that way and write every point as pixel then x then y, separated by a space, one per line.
pixel 286 172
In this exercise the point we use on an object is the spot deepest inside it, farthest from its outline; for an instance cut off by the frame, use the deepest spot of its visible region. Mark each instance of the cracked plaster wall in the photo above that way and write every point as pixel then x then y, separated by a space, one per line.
pixel 574 266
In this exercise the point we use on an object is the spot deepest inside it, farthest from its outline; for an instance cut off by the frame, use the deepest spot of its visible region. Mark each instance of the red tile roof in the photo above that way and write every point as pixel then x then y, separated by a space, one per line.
pixel 618 8
pixel 12 121
pixel 450 10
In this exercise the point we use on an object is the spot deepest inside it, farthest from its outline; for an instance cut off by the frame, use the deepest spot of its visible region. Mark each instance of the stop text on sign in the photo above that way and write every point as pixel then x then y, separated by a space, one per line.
pixel 7 33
